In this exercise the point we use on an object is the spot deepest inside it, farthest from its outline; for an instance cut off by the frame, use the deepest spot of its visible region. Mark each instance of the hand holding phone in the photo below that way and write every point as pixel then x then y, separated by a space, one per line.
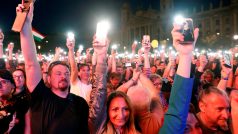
pixel 227 60
pixel 146 43
pixel 21 16
pixel 102 31
pixel 187 30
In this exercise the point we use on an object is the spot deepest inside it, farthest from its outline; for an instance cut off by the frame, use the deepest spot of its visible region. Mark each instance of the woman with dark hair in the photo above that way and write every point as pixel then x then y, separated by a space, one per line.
pixel 120 118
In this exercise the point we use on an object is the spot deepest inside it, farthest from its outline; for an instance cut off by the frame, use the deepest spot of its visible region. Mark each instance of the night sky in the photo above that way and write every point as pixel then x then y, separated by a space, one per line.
pixel 56 17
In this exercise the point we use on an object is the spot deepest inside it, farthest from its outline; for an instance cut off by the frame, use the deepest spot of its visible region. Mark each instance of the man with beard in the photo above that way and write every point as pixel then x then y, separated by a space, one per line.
pixel 53 110
pixel 214 111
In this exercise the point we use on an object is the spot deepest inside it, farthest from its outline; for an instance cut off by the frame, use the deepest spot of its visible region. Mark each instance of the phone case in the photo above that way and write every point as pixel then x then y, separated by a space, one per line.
pixel 187 31
pixel 227 60
pixel 21 17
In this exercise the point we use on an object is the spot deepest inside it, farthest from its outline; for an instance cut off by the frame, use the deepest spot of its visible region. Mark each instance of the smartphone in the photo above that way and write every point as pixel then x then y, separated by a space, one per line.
pixel 21 16
pixel 127 64
pixel 187 29
pixel 146 41
pixel 227 60
pixel 102 30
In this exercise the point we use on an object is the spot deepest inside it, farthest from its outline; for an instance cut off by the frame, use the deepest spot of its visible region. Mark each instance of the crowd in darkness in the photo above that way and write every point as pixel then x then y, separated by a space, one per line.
pixel 104 94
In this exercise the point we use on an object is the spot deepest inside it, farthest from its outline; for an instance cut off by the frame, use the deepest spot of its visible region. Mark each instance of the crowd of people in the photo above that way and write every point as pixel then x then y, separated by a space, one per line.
pixel 104 94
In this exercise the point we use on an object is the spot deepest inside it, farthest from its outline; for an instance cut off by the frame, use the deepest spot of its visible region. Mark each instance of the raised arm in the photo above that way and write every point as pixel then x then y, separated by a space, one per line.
pixel 175 118
pixel 225 73
pixel 113 61
pixel 1 43
pixel 57 54
pixel 33 71
pixel 98 94
pixel 74 69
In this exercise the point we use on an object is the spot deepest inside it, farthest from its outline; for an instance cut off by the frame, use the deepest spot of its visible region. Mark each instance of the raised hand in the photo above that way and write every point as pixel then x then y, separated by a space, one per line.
pixel 70 43
pixel 10 46
pixel 225 71
pixel 178 37
pixel 29 18
pixel 133 47
pixel 100 47
pixel 146 44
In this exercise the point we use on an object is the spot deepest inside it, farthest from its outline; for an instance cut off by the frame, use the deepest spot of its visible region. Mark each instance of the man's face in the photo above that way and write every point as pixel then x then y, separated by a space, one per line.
pixel 59 77
pixel 5 87
pixel 84 73
pixel 19 78
pixel 120 70
pixel 215 110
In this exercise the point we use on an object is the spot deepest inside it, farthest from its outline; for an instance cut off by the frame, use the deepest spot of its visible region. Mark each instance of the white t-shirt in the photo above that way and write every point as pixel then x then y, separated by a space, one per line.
pixel 81 90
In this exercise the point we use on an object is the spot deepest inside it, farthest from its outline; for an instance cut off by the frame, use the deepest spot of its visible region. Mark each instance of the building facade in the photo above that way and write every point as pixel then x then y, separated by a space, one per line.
pixel 215 23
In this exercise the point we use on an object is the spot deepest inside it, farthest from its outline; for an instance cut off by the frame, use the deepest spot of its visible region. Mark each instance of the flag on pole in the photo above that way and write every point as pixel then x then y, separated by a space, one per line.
pixel 37 35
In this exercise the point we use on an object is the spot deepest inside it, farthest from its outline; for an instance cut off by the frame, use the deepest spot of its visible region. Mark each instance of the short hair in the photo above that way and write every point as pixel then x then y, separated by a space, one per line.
pixel 115 75
pixel 54 63
pixel 206 92
pixel 80 66
pixel 23 72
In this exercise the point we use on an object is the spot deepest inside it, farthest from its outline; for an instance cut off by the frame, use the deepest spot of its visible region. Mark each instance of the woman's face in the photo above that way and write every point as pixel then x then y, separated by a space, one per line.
pixel 192 125
pixel 118 112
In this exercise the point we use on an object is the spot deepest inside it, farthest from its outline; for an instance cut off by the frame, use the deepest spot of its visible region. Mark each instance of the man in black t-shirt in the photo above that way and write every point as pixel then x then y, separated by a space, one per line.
pixel 53 110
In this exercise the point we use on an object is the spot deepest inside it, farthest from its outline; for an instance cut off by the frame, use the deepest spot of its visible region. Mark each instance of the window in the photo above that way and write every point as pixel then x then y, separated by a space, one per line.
pixel 217 22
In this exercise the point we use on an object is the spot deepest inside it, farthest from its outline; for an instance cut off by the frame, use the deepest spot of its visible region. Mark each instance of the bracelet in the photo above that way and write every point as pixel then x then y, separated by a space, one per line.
pixel 224 78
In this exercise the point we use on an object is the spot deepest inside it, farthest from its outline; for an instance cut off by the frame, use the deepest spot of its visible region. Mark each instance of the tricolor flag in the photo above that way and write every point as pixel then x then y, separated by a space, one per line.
pixel 37 35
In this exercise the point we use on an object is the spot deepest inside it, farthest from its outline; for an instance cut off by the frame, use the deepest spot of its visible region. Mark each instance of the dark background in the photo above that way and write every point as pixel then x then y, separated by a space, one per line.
pixel 54 18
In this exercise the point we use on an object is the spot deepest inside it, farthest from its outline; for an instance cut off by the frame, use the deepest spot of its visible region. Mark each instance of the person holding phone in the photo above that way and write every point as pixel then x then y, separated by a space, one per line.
pixel 53 110
pixel 176 116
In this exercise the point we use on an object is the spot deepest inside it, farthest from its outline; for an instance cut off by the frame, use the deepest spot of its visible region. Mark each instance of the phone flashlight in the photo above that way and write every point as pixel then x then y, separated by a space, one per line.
pixel 70 36
pixel 179 19
pixel 102 29
pixel 114 46
pixel 135 42
pixel 81 47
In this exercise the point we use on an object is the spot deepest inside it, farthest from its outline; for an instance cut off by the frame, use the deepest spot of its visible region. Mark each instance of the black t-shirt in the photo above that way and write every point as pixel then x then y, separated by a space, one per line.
pixel 22 101
pixel 52 114
pixel 6 118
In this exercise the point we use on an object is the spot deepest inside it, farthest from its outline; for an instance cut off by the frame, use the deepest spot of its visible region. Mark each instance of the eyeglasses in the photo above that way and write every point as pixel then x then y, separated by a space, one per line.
pixel 18 77
pixel 4 82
